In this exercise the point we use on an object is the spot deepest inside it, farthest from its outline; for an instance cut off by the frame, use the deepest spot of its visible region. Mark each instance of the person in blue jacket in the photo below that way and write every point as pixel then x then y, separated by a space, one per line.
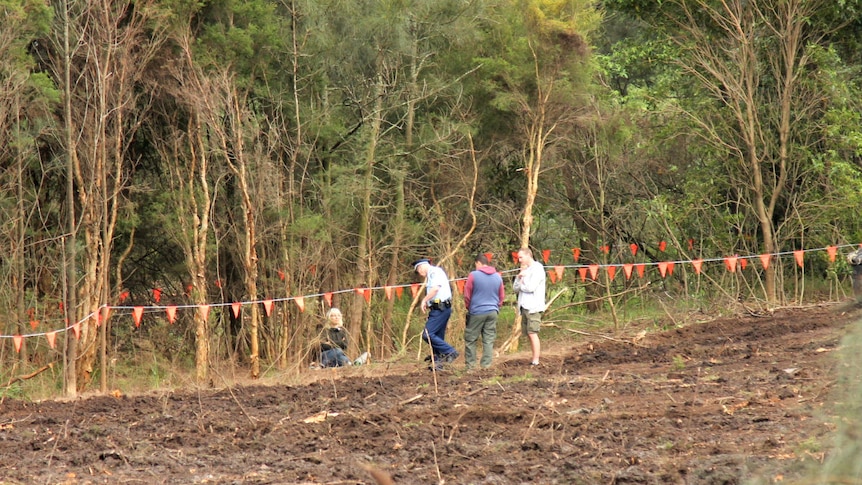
pixel 483 295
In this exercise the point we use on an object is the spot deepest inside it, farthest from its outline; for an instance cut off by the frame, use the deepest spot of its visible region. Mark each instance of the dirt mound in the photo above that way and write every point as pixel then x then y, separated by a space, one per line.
pixel 711 403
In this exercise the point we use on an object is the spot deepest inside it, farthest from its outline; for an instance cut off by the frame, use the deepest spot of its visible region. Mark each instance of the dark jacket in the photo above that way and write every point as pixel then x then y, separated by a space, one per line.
pixel 483 291
pixel 334 337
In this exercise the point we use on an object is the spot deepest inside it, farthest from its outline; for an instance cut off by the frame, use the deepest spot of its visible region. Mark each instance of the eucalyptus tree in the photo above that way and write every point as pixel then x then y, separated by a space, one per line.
pixel 98 58
pixel 391 127
pixel 26 100
pixel 756 67
pixel 537 77
pixel 233 55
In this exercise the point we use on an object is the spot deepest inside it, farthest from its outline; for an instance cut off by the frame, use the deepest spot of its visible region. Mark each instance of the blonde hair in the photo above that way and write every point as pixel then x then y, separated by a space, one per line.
pixel 333 311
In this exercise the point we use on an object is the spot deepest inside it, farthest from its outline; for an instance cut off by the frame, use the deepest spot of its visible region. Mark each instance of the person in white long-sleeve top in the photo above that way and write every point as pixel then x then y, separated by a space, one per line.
pixel 530 287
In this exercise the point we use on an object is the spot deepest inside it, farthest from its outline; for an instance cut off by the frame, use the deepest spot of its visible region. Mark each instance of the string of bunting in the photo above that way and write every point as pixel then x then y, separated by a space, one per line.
pixel 555 274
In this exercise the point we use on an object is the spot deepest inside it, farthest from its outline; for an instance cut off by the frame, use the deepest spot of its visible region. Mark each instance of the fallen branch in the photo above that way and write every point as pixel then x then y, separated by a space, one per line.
pixel 414 398
pixel 30 375
pixel 581 332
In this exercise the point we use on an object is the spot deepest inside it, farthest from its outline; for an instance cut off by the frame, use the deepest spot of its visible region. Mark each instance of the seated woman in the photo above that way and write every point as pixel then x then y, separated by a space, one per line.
pixel 333 342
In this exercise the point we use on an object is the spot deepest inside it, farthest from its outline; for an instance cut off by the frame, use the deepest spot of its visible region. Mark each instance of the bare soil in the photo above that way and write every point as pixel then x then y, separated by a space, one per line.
pixel 725 401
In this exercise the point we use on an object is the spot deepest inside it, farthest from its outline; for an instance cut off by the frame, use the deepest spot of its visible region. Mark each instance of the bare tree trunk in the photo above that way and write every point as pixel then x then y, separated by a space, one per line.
pixel 233 148
pixel 18 253
pixel 70 274
pixel 537 138
pixel 363 263
pixel 386 346
pixel 196 255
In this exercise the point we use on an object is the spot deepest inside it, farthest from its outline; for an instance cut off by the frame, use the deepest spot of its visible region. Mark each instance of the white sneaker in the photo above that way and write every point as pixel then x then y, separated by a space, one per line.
pixel 361 359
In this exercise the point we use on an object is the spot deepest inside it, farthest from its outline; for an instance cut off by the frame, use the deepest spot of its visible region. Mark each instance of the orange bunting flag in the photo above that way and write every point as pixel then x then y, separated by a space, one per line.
pixel 205 311
pixel 218 283
pixel 136 313
pixel 634 248
pixel 34 324
pixel 546 255
pixel 515 257
pixel 490 256
pixel 691 244
pixel 594 271
pixel 172 313
pixel 662 246
pixel 582 271
pixel 157 294
pixel 235 308
pixel 670 265
pixel 605 249
pixel 367 295
pixel 388 291
pixel 552 276
pixel 267 307
pixel 359 291
pixel 799 255
pixel 831 251
pixel 764 260
pixel 281 275
pixel 460 285
pixel 189 289
pixel 76 328
pixel 52 339
pixel 123 296
pixel 327 297
pixel 627 269
pixel 743 262
pixel 612 271
pixel 576 254
pixel 730 263
pixel 414 289
pixel 640 267
pixel 18 340
pixel 399 290
pixel 697 263
pixel 559 270
pixel 300 302
pixel 662 268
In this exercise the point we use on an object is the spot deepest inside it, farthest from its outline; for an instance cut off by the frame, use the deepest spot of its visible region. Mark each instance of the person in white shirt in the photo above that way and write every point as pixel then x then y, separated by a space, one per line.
pixel 530 287
pixel 438 304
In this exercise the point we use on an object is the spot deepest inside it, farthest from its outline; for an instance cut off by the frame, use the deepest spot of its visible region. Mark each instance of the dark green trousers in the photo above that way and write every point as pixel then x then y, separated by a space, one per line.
pixel 482 326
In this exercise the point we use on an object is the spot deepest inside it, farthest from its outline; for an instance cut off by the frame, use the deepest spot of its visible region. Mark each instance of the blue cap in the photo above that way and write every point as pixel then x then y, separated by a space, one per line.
pixel 420 262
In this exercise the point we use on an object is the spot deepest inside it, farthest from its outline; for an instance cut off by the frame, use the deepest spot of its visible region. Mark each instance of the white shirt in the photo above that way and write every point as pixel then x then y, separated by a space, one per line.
pixel 531 288
pixel 436 277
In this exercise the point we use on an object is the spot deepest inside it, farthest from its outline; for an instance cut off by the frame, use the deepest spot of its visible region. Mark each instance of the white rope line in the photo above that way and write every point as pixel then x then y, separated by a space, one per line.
pixel 163 308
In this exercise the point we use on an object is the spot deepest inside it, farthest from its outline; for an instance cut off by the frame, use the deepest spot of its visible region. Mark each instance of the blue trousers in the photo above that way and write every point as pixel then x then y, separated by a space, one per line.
pixel 333 358
pixel 435 331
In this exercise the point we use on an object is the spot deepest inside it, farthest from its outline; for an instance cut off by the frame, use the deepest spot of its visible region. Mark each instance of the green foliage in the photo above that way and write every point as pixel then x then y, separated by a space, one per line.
pixel 243 35
pixel 449 82
pixel 15 391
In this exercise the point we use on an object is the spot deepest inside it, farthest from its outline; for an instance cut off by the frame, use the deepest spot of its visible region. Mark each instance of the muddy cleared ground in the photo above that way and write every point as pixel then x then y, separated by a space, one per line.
pixel 719 402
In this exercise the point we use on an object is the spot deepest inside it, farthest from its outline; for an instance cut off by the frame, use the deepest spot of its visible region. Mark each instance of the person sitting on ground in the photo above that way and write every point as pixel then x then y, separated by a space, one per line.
pixel 333 343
